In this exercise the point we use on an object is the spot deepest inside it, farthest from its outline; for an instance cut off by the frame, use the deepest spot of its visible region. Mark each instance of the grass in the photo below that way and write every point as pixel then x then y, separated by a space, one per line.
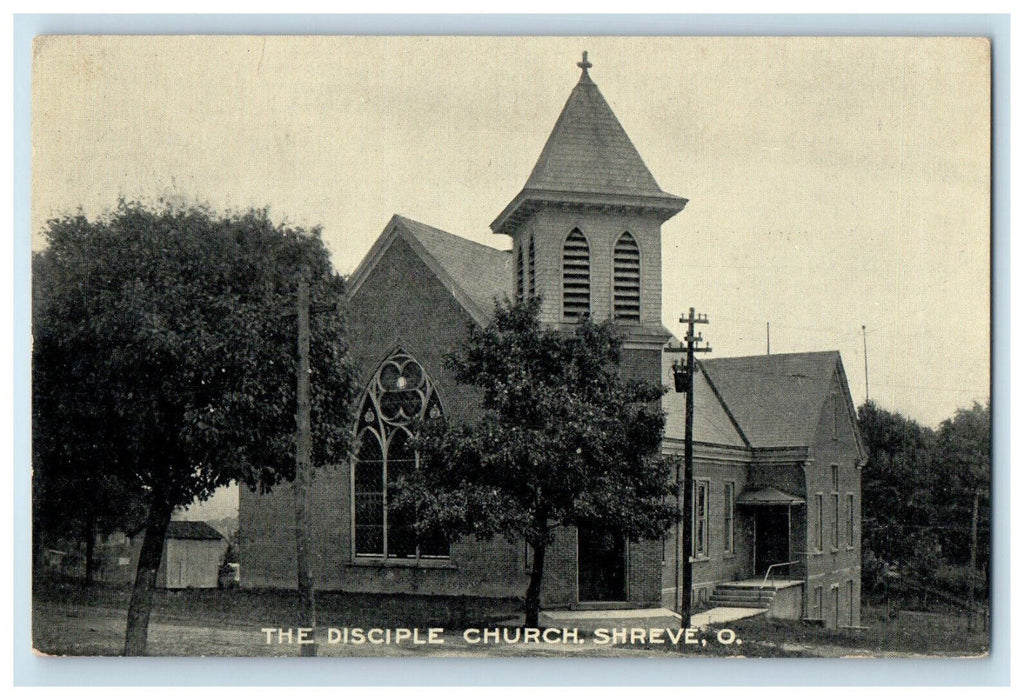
pixel 271 608
pixel 905 634
pixel 69 619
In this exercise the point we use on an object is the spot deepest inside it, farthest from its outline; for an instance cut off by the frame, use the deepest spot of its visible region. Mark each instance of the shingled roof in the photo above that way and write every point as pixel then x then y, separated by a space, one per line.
pixel 712 424
pixel 775 399
pixel 589 151
pixel 588 159
pixel 191 530
pixel 475 274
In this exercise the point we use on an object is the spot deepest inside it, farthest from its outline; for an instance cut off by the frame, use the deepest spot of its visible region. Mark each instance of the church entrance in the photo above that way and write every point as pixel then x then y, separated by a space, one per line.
pixel 601 565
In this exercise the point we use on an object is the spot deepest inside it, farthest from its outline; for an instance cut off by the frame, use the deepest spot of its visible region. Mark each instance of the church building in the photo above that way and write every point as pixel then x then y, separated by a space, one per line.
pixel 775 521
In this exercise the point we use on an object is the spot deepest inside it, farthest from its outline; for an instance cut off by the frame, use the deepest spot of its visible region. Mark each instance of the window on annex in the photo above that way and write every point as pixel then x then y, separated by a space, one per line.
pixel 700 531
pixel 626 280
pixel 835 528
pixel 728 517
pixel 850 528
pixel 818 522
pixel 576 276
pixel 398 395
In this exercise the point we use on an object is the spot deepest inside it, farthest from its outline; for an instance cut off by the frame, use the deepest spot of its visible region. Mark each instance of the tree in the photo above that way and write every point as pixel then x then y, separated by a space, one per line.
pixel 899 484
pixel 963 454
pixel 61 459
pixel 919 487
pixel 163 358
pixel 563 440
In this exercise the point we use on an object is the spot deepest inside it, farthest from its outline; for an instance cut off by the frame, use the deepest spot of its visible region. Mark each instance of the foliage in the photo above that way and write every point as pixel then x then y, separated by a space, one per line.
pixel 918 490
pixel 563 440
pixel 163 358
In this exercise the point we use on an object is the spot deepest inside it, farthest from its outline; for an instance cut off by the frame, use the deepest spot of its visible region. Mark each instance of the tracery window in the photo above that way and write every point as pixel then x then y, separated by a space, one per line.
pixel 576 276
pixel 398 395
pixel 626 279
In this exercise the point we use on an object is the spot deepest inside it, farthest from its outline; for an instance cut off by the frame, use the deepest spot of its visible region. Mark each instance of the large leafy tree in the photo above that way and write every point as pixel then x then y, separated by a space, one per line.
pixel 919 486
pixel 164 362
pixel 899 482
pixel 563 440
pixel 963 453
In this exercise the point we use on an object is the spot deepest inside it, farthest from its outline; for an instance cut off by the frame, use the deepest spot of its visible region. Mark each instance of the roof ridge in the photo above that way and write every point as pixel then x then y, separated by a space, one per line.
pixel 409 220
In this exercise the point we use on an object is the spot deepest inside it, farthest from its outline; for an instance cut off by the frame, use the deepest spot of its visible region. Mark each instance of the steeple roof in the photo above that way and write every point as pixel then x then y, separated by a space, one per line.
pixel 588 160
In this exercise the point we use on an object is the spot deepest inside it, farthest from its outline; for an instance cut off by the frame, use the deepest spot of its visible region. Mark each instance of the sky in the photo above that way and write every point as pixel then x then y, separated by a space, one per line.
pixel 833 182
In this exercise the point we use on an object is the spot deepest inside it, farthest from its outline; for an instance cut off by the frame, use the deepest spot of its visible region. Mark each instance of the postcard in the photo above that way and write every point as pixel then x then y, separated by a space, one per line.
pixel 511 346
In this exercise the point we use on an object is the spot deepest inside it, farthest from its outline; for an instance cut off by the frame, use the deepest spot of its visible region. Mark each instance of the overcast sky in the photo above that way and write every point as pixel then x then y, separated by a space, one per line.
pixel 832 182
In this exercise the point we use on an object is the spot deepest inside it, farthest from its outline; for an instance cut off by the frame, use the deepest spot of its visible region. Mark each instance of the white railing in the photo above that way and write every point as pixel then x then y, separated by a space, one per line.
pixel 774 566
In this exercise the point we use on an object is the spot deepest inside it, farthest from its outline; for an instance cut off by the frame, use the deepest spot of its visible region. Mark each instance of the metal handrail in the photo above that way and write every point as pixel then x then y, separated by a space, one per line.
pixel 773 566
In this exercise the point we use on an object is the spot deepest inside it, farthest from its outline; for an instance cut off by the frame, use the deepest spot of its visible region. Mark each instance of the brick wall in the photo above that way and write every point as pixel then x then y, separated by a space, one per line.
pixel 836 564
pixel 720 565
pixel 402 303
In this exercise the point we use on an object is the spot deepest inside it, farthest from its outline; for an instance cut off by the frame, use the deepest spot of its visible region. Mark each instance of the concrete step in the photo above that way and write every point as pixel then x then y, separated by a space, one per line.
pixel 740 604
pixel 743 595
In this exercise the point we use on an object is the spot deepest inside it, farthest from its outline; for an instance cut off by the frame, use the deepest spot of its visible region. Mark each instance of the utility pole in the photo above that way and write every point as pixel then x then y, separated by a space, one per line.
pixel 866 367
pixel 767 337
pixel 302 479
pixel 683 377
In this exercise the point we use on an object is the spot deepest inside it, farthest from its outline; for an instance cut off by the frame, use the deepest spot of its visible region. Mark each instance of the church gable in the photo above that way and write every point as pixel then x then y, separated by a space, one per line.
pixel 475 275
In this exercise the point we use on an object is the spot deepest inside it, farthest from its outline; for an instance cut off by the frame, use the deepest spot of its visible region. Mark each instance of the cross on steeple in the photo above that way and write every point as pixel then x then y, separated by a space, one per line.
pixel 584 65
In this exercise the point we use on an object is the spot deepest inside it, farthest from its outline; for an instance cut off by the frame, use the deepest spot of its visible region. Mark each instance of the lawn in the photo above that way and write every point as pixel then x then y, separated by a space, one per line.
pixel 69 619
pixel 906 633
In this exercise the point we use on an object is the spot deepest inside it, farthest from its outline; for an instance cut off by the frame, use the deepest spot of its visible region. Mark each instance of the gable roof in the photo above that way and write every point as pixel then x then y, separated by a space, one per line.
pixel 712 423
pixel 473 273
pixel 588 159
pixel 775 399
pixel 191 530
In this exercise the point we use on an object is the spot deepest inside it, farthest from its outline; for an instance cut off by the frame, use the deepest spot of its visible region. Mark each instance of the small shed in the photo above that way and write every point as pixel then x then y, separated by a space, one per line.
pixel 193 553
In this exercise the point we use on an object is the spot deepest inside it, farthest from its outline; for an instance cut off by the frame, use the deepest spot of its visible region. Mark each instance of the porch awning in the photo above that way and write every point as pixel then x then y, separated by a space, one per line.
pixel 768 497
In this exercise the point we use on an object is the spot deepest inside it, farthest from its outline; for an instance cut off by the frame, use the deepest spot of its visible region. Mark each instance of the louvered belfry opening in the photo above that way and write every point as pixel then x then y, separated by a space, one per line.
pixel 531 265
pixel 576 276
pixel 519 274
pixel 627 280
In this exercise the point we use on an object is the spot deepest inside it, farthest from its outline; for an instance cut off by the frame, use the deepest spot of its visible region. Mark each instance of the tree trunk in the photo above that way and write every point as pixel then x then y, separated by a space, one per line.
pixel 532 605
pixel 90 535
pixel 138 619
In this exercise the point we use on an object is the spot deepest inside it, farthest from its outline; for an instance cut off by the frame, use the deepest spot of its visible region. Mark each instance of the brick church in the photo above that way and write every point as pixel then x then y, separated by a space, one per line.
pixel 775 521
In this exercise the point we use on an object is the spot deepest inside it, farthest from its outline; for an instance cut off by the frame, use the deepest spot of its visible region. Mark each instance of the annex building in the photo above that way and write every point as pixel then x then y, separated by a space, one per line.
pixel 777 453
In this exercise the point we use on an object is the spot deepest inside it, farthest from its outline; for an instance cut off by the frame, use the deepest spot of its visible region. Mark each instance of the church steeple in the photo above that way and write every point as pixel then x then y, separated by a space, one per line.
pixel 588 160
pixel 586 225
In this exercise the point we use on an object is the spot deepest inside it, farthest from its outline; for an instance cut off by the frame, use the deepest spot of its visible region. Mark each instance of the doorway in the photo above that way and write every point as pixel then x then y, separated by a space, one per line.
pixel 601 565
pixel 772 528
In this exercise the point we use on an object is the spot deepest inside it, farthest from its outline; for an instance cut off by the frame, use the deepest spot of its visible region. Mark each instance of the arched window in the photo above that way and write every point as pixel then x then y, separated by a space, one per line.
pixel 576 276
pixel 626 280
pixel 519 273
pixel 532 264
pixel 398 395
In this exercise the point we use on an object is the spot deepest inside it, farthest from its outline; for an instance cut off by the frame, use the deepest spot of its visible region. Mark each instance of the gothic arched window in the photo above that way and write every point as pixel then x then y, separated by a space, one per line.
pixel 576 276
pixel 626 280
pixel 398 395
